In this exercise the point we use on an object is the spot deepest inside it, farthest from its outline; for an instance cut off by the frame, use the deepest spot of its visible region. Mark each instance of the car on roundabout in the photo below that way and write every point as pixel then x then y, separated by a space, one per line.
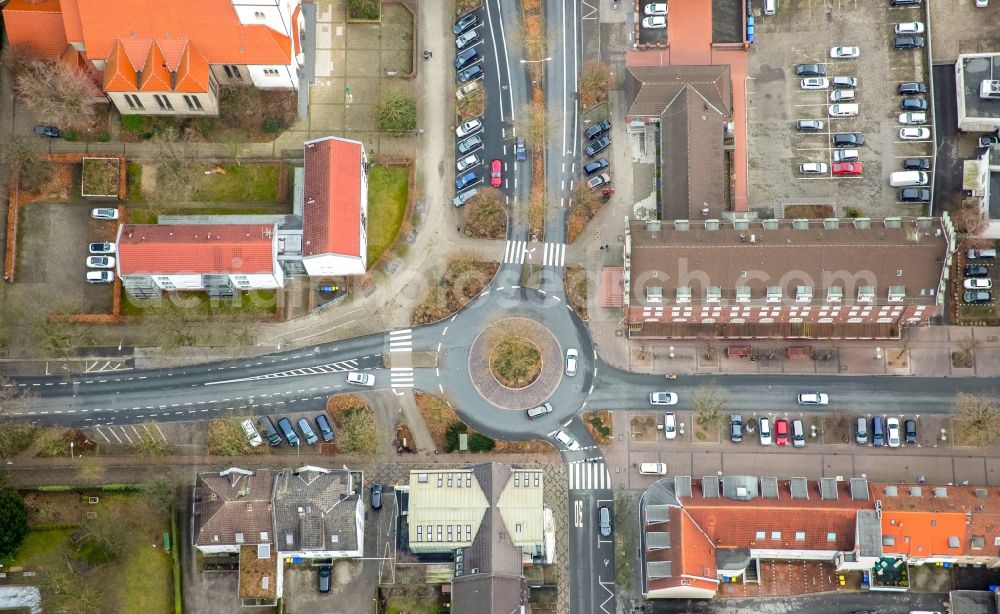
pixel 663 398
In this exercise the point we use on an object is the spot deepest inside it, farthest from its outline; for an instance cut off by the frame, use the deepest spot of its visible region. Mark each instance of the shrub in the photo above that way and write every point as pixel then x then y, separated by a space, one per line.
pixel 271 125
pixel 477 442
pixel 599 425
pixel 853 212
pixel 103 137
pixel 363 9
pixel 70 135
pixel 396 111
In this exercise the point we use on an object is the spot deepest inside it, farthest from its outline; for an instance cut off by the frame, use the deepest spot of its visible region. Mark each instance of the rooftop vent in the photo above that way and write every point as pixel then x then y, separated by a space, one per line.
pixel 771 224
pixel 654 294
pixel 866 294
pixel 862 223
pixel 653 225
pixel 743 294
pixel 683 294
pixel 713 294
pixel 989 88
pixel 682 225
pixel 897 293
pixel 774 294
pixel 835 294
pixel 916 491
pixel 831 223
pixel 982 493
pixel 893 222
pixel 800 224
pixel 741 225
pixel 712 225
pixel 891 491
pixel 803 294
pixel 940 492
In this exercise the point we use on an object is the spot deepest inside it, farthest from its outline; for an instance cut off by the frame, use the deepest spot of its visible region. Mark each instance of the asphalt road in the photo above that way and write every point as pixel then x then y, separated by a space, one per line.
pixel 884 603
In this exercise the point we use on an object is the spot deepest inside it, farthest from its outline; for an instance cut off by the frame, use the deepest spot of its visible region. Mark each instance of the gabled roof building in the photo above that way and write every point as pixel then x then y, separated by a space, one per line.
pixel 318 513
pixel 232 508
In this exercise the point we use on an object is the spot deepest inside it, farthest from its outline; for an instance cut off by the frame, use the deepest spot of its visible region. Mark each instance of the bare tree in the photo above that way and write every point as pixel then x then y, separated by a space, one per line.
pixel 15 399
pixel 59 94
pixel 176 164
pixel 485 214
pixel 977 420
pixel 595 80
pixel 533 123
pixel 709 400
pixel 969 219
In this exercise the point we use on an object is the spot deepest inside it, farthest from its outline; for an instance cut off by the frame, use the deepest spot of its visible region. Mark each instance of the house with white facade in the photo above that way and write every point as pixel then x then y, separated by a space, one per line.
pixel 318 513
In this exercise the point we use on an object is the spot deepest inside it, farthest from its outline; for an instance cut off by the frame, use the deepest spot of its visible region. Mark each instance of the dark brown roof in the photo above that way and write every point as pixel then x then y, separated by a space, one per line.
pixel 489 594
pixel 315 509
pixel 650 89
pixel 910 256
pixel 233 502
pixel 493 550
pixel 691 135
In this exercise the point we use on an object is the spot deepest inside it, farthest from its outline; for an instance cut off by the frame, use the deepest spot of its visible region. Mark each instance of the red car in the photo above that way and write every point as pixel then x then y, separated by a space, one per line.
pixel 495 174
pixel 781 432
pixel 847 168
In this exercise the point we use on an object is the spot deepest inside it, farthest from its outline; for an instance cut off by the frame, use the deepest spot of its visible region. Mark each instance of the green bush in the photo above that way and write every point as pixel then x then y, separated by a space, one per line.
pixel 54 488
pixel 853 212
pixel 363 9
pixel 103 137
pixel 598 425
pixel 271 125
pixel 70 135
pixel 477 442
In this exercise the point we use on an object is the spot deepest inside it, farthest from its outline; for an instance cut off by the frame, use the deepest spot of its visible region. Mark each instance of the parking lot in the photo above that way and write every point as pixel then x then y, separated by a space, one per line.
pixel 803 31
pixel 972 313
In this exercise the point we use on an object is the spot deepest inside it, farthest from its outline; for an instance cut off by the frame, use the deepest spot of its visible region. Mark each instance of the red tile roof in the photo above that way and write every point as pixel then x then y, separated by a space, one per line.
pixel 332 212
pixel 37 28
pixel 71 21
pixel 155 74
pixel 192 73
pixel 195 249
pixel 212 25
pixel 119 74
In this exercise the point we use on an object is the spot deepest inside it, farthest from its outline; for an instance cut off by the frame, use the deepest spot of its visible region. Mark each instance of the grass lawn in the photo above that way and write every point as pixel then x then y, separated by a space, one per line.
pixel 146 582
pixel 259 303
pixel 412 605
pixel 42 547
pixel 388 190
pixel 133 182
pixel 242 182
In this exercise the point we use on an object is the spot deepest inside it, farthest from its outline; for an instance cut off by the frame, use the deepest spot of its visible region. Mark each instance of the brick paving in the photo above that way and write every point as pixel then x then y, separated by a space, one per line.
pixel 784 578
pixel 529 396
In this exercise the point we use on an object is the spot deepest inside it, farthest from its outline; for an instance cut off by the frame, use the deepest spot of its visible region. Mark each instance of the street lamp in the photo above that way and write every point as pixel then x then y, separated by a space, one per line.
pixel 535 61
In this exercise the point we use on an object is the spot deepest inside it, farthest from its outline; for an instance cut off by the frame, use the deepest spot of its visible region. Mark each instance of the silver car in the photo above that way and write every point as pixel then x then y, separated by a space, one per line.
pixel 663 398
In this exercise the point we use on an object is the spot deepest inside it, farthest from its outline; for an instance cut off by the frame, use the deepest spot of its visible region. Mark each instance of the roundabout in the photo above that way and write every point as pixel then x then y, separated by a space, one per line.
pixel 515 363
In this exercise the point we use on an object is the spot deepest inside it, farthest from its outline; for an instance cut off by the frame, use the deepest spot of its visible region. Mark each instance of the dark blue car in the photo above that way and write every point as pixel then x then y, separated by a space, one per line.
pixel 466 180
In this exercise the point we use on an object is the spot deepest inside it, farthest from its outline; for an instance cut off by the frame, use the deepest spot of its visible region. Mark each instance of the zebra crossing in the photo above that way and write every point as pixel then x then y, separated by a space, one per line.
pixel 333 367
pixel 401 342
pixel 553 254
pixel 589 476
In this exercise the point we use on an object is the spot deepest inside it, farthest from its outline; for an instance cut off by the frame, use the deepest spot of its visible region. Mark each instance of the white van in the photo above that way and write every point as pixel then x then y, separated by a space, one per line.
pixel 653 468
pixel 798 434
pixel 902 179
pixel 848 109
pixel 770 6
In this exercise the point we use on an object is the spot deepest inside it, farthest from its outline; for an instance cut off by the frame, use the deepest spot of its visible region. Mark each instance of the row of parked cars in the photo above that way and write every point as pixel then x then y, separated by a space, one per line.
pixel 101 259
pixel 883 432
pixel 845 159
pixel 977 283
pixel 265 430
pixel 469 71
pixel 598 138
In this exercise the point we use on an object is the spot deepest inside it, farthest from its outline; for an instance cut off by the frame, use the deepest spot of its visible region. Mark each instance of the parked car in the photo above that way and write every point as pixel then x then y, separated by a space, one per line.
pixel 541 410
pixel 49 131
pixel 596 130
pixel 465 22
pixel 781 432
pixel 844 82
pixel 464 130
pixel 798 434
pixel 846 155
pixel 861 432
pixel 597 146
pixel 520 154
pixel 567 441
pixel 848 109
pixel 843 169
pixel 473 142
pixel 307 431
pixel 572 357
pixel 468 162
pixel 604 520
pixel 910 431
pixel 892 432
pixel 252 435
pixel 104 213
pixel 592 167
pixel 977 297
pixel 848 139
pixel 663 398
pixel 842 96
pixel 981 254
pixel 100 262
pixel 908 42
pixel 669 425
pixel 914 134
pixel 102 248
pixel 814 83
pixel 810 70
pixel 463 197
pixel 917 164
pixel 910 27
pixel 844 53
pixel 466 89
pixel 496 173
pixel 466 38
pixel 905 2
pixel 286 429
pixel 266 428
pixel 809 125
pixel 324 578
pixel 361 379
pixel 598 181
pixel 977 283
pixel 913 104
pixel 100 277
pixel 913 118
pixel 735 428
pixel 764 431
pixel 910 88
pixel 466 57
pixel 813 168
pixel 655 22
pixel 813 398
pixel 976 270
pixel 473 72
pixel 466 180
pixel 655 8
pixel 981 4
pixel 325 429
pixel 878 432
pixel 915 195
pixel 377 496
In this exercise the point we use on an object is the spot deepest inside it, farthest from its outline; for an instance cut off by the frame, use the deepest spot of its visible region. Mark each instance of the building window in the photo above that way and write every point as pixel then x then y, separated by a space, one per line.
pixel 271 72
pixel 800 536
pixel 831 537
pixel 159 101
pixel 761 535
pixel 166 100
pixel 232 72
pixel 187 101
pixel 133 101
pixel 420 533
pixel 519 528
pixel 128 99
pixel 197 103
pixel 258 15
pixel 775 534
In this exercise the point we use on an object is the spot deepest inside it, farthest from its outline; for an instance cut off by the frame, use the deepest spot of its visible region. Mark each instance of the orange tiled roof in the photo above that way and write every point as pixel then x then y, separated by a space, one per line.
pixel 197 249
pixel 155 74
pixel 36 27
pixel 119 74
pixel 332 212
pixel 296 35
pixel 192 72
pixel 212 25
pixel 71 21
pixel 921 534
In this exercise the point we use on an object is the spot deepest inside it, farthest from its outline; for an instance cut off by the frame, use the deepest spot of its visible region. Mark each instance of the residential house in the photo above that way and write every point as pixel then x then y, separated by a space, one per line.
pixel 318 513
pixel 230 509
pixel 218 258
pixel 492 519
pixel 801 278
pixel 168 57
